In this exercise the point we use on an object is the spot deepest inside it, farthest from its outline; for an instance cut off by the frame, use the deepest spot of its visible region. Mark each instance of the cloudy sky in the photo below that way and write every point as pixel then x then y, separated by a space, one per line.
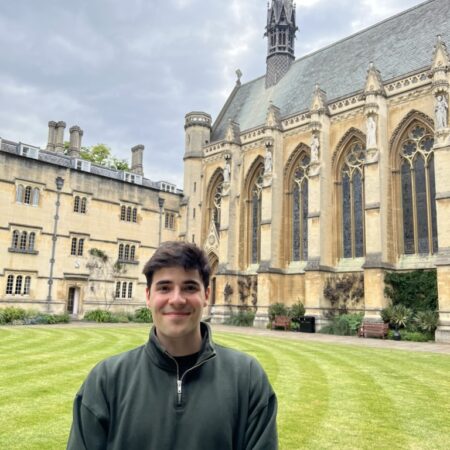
pixel 128 71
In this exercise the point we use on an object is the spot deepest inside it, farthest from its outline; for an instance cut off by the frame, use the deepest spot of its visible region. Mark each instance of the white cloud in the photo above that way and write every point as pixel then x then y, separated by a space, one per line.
pixel 127 72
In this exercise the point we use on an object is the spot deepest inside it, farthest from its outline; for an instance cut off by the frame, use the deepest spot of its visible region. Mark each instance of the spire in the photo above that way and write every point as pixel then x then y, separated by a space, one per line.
pixel 280 32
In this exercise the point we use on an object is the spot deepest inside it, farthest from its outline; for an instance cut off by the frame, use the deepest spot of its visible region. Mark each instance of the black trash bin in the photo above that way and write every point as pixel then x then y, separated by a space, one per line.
pixel 308 324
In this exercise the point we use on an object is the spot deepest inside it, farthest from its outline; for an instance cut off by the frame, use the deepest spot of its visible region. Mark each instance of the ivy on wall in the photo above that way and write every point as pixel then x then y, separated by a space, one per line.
pixel 416 290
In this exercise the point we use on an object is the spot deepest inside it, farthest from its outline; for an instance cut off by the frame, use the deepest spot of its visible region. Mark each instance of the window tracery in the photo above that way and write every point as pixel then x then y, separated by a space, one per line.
pixel 300 210
pixel 418 191
pixel 352 190
pixel 255 217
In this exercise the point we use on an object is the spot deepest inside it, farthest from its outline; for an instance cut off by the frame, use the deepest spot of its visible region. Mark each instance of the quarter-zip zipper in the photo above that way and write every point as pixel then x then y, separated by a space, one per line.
pixel 180 379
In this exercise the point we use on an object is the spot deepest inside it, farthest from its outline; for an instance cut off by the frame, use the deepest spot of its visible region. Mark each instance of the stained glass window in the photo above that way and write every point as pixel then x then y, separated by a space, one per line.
pixel 300 210
pixel 255 214
pixel 217 204
pixel 352 177
pixel 418 191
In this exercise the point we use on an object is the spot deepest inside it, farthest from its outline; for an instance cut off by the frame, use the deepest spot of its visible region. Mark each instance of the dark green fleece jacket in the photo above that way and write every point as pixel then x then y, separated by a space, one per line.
pixel 137 401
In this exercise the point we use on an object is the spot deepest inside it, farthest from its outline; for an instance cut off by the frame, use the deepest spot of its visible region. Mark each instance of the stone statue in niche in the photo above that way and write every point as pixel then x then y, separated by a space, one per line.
pixel 315 146
pixel 268 162
pixel 226 171
pixel 441 110
pixel 371 127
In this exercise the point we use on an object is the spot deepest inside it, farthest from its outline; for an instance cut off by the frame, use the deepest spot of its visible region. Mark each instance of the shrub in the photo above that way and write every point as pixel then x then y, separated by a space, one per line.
pixel 386 314
pixel 143 315
pixel 416 290
pixel 277 309
pixel 401 316
pixel 427 321
pixel 413 336
pixel 241 319
pixel 296 311
pixel 99 315
pixel 12 313
pixel 344 325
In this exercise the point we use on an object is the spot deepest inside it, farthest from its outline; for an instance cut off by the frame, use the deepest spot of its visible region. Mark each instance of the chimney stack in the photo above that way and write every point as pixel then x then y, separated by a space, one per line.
pixel 137 153
pixel 51 136
pixel 75 141
pixel 59 142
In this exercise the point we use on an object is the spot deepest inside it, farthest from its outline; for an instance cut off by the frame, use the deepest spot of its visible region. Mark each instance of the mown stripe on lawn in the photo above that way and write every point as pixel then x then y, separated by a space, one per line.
pixel 330 396
pixel 301 389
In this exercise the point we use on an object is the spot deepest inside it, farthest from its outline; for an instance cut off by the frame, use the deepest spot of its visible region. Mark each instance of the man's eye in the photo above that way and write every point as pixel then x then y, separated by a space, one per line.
pixel 163 288
pixel 191 288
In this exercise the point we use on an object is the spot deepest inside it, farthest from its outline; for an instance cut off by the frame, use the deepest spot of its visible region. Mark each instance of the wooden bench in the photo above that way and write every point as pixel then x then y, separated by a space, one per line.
pixel 373 329
pixel 282 322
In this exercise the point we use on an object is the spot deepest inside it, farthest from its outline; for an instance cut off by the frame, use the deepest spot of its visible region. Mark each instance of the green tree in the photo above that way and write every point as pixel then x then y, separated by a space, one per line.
pixel 101 154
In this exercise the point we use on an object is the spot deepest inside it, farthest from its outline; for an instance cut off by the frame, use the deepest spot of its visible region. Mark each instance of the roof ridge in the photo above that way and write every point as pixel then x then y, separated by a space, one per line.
pixel 351 36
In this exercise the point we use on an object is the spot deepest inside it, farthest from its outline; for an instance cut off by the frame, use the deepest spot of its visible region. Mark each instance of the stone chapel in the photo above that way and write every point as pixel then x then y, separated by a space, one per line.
pixel 330 168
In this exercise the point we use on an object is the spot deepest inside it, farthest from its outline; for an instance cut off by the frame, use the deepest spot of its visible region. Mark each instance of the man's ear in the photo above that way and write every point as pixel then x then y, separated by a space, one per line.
pixel 147 296
pixel 207 294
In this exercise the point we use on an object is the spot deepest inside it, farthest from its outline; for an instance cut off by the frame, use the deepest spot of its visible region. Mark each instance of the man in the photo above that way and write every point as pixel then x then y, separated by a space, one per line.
pixel 179 391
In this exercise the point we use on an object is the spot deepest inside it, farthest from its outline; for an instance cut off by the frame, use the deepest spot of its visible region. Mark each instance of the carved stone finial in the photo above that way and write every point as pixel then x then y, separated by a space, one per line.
pixel 233 133
pixel 441 60
pixel 319 101
pixel 273 118
pixel 374 82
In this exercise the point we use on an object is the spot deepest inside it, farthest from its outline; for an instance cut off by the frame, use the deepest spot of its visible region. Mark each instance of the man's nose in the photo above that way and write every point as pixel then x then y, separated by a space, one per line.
pixel 177 297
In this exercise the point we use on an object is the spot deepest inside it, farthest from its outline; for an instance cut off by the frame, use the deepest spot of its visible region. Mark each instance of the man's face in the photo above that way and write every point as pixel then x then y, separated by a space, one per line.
pixel 176 298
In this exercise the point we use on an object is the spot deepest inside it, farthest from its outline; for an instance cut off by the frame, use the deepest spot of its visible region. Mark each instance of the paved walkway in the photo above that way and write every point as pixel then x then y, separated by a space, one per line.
pixel 432 347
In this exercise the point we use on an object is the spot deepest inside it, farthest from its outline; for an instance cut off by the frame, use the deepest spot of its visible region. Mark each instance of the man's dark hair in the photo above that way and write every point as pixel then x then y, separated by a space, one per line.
pixel 178 254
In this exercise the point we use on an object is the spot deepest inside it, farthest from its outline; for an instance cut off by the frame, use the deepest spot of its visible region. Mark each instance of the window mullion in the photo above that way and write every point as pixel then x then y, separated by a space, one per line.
pixel 414 205
pixel 428 194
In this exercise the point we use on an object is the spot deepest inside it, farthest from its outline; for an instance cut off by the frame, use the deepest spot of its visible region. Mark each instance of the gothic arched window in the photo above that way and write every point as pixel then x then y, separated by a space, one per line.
pixel 217 203
pixel 418 191
pixel 352 177
pixel 300 210
pixel 215 191
pixel 255 217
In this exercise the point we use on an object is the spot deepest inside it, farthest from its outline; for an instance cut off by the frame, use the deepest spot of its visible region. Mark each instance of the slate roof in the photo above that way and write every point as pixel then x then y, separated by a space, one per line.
pixel 62 160
pixel 398 46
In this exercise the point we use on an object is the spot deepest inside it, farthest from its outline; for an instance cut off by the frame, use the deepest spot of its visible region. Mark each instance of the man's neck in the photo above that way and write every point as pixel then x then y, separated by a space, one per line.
pixel 183 346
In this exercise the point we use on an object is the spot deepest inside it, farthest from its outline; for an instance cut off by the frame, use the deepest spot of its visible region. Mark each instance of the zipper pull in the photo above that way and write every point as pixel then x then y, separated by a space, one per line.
pixel 179 391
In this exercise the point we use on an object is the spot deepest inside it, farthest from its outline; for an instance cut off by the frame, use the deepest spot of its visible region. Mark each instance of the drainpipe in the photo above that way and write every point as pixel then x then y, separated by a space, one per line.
pixel 59 185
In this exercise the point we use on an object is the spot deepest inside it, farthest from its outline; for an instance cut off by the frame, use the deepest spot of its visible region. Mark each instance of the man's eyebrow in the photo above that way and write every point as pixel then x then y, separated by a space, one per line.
pixel 163 282
pixel 192 282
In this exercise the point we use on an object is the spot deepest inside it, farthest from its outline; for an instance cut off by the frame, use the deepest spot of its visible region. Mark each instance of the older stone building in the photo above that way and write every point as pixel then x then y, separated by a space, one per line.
pixel 74 235
pixel 332 168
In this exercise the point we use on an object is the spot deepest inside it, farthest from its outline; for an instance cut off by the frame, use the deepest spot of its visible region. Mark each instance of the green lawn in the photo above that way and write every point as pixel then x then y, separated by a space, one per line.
pixel 330 396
